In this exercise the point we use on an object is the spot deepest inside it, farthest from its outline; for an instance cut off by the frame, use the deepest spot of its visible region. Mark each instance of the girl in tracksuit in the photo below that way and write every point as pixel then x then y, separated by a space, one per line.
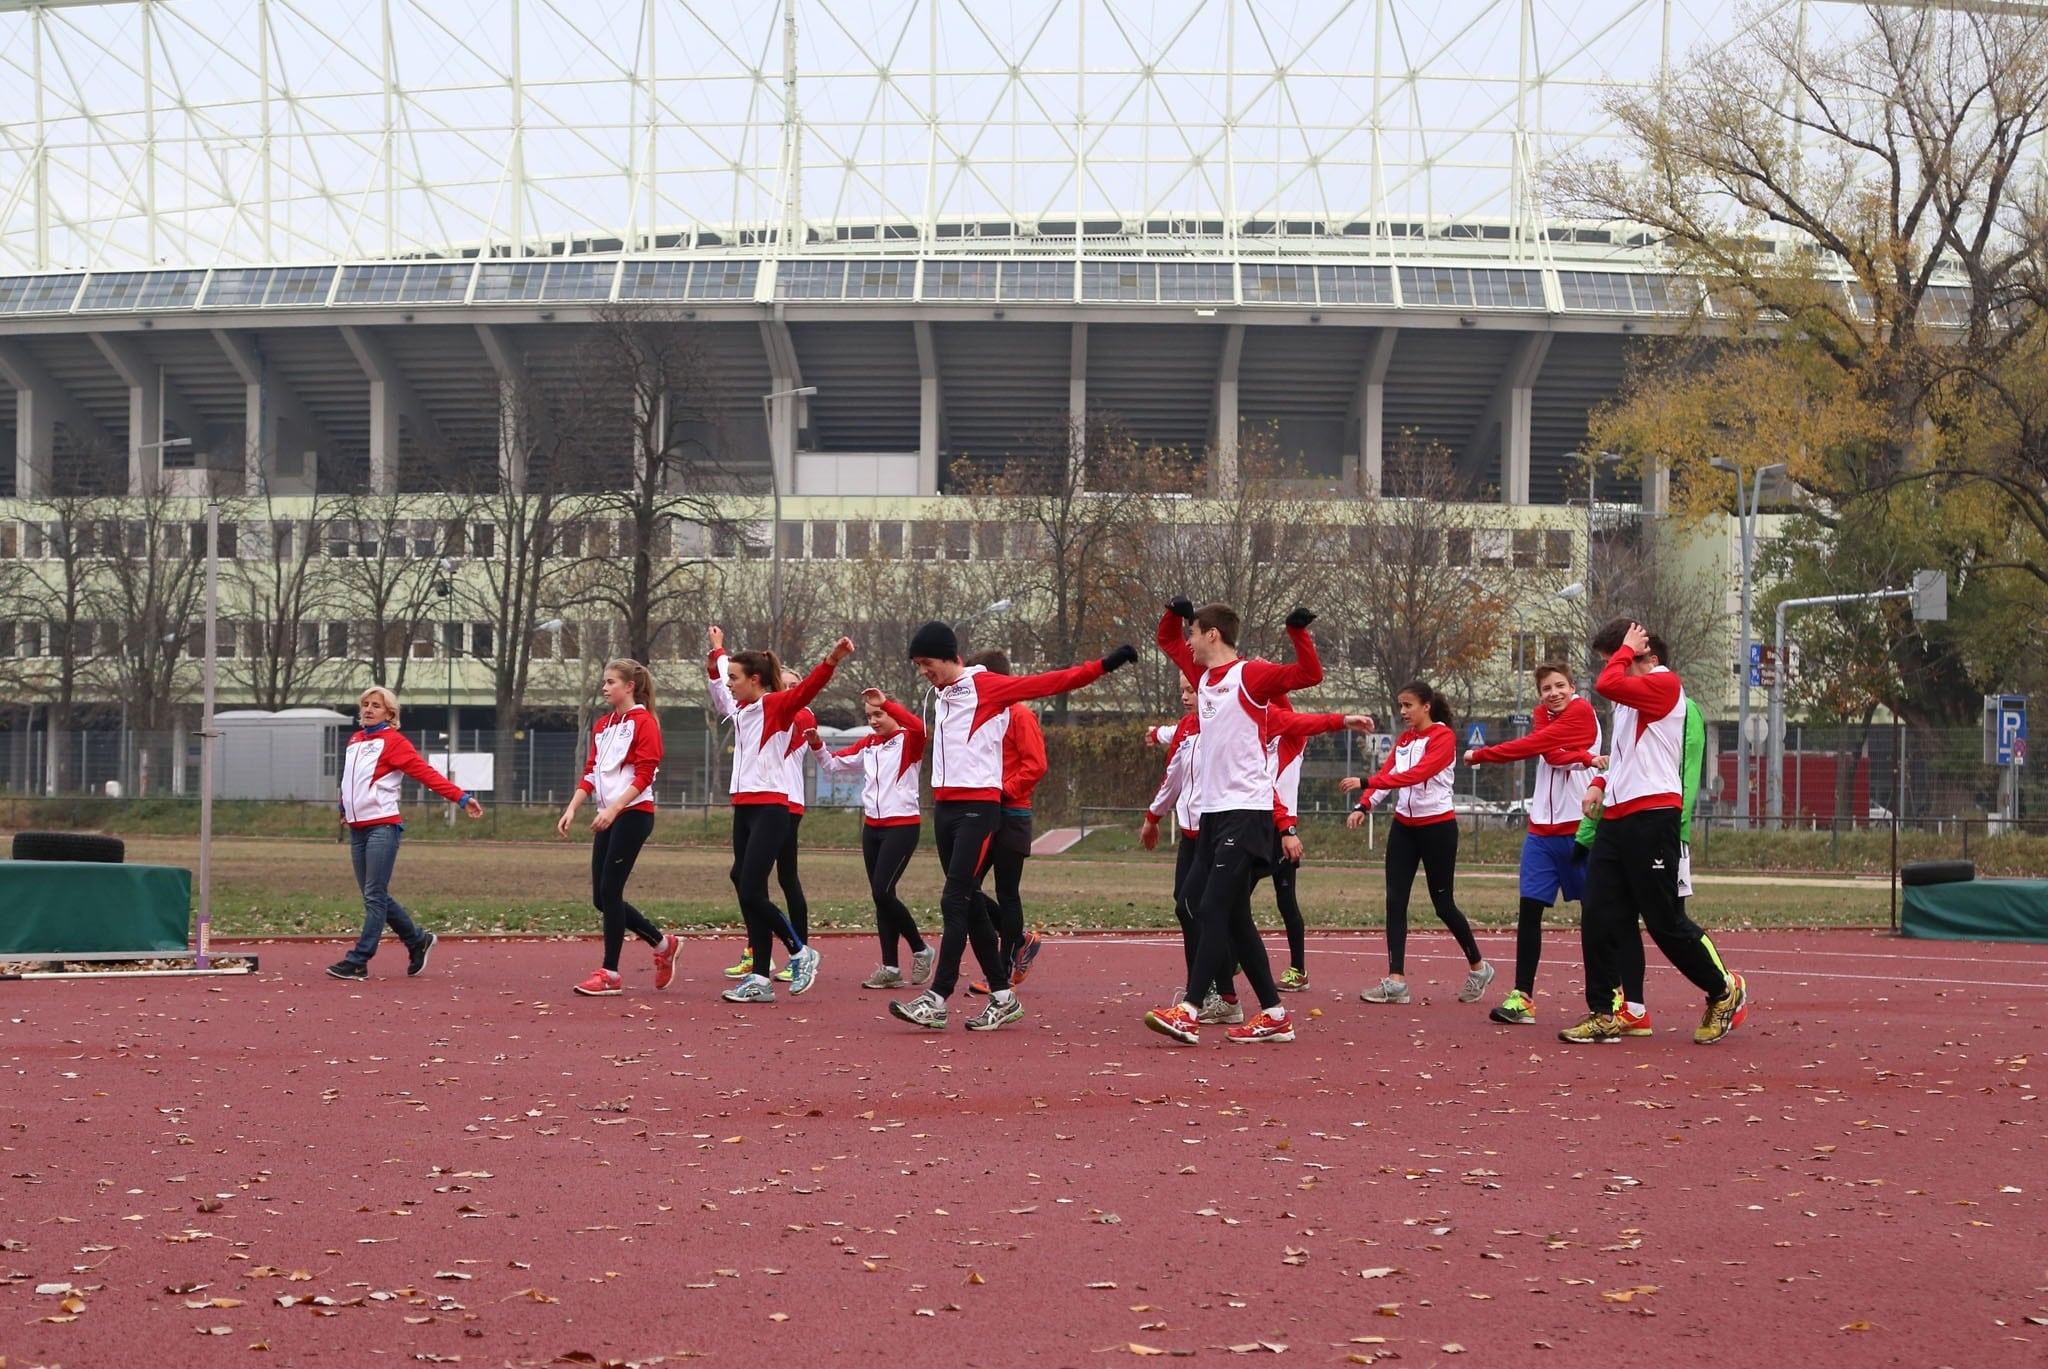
pixel 376 762
pixel 1287 744
pixel 1418 777
pixel 618 779
pixel 887 760
pixel 763 717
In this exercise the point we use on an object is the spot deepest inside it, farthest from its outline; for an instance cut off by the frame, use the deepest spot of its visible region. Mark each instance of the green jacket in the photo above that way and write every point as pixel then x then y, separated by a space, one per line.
pixel 1689 777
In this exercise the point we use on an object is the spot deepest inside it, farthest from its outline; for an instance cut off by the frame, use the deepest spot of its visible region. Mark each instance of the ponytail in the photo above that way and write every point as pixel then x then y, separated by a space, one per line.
pixel 761 665
pixel 636 675
pixel 1439 706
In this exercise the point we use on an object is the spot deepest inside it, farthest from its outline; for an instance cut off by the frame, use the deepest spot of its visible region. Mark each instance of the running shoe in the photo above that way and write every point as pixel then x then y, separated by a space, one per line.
pixel 1264 1027
pixel 785 974
pixel 927 1010
pixel 921 963
pixel 1598 1028
pixel 1632 1023
pixel 1219 1010
pixel 1293 980
pixel 1178 1022
pixel 884 977
pixel 744 968
pixel 1388 990
pixel 1026 953
pixel 752 989
pixel 1725 1013
pixel 1517 1009
pixel 1003 1008
pixel 665 960
pixel 803 970
pixel 416 956
pixel 348 969
pixel 1476 981
pixel 601 984
pixel 979 988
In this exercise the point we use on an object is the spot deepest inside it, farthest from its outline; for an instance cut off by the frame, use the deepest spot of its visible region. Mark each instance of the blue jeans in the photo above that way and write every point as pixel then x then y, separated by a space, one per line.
pixel 373 851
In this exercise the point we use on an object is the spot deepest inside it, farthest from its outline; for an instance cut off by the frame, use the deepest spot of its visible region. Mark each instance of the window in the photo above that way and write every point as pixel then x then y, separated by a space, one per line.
pixel 1528 542
pixel 1365 544
pixel 337 639
pixel 423 538
pixel 451 638
pixel 1023 540
pixel 572 641
pixel 9 541
pixel 481 639
pixel 308 641
pixel 791 536
pixel 452 540
pixel 38 294
pixel 891 543
pixel 988 541
pixel 280 541
pixel 1271 284
pixel 655 280
pixel 1358 650
pixel 960 280
pixel 1038 280
pixel 957 541
pixel 340 540
pixel 1355 284
pixel 483 539
pixel 1492 545
pixel 1557 550
pixel 1522 650
pixel 824 540
pixel 1557 649
pixel 858 540
pixel 600 539
pixel 924 541
pixel 256 637
pixel 7 636
pixel 1458 547
pixel 394 643
pixel 1119 280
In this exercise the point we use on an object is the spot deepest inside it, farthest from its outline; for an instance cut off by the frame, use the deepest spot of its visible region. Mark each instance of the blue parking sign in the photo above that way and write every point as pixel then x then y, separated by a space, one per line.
pixel 2009 738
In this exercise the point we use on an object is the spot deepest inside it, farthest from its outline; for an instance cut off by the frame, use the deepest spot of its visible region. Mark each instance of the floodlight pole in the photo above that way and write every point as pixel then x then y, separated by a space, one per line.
pixel 1774 809
pixel 207 734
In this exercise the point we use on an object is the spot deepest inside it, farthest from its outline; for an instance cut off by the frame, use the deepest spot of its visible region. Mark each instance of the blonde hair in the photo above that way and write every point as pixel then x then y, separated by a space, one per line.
pixel 636 675
pixel 379 692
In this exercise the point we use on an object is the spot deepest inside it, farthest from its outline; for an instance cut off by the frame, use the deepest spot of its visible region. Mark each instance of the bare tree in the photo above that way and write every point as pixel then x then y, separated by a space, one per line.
pixel 381 563
pixel 151 595
pixel 65 538
pixel 290 595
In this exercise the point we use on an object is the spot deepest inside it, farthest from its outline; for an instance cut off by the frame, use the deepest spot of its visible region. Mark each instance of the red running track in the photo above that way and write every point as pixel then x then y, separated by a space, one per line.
pixel 637 1178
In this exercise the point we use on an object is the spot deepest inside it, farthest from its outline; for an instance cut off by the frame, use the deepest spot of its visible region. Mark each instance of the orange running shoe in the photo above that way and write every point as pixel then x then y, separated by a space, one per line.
pixel 665 960
pixel 1177 1022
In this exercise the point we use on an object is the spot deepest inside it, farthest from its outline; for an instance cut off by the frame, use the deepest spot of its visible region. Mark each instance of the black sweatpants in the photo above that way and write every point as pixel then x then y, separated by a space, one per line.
pixel 1434 847
pixel 612 855
pixel 1235 848
pixel 965 832
pixel 886 851
pixel 758 833
pixel 1190 932
pixel 1284 871
pixel 792 886
pixel 1633 874
pixel 1006 860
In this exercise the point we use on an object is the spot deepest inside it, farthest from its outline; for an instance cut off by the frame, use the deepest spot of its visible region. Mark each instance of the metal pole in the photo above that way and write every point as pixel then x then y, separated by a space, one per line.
pixel 1745 523
pixel 1774 807
pixel 207 735
pixel 775 532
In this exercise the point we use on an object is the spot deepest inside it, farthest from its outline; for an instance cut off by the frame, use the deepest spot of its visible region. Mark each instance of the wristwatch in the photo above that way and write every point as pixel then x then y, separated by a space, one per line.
pixel 1289 830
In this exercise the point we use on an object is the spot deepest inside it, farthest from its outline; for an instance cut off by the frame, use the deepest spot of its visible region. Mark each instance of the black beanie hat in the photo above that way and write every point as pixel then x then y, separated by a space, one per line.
pixel 936 641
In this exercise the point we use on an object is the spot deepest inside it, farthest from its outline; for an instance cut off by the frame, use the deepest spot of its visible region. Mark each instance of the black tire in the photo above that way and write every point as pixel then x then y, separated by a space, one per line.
pixel 84 846
pixel 1938 872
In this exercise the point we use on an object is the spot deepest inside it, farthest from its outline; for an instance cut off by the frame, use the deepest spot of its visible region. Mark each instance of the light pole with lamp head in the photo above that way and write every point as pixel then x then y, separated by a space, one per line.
pixel 775 496
pixel 1594 461
pixel 1746 543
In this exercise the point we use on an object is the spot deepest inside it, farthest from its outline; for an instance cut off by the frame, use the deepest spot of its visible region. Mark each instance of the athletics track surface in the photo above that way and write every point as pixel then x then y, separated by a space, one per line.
pixel 638 1178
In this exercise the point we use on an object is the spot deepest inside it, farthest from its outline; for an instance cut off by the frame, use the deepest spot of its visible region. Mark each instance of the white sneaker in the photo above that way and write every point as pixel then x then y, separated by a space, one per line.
pixel 1217 1008
pixel 921 963
pixel 927 1010
pixel 1003 1008
pixel 1389 990
pixel 753 989
pixel 1476 982
pixel 884 977
pixel 803 971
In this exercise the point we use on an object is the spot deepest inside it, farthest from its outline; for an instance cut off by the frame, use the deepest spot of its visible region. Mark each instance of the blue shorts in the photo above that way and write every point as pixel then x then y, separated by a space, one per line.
pixel 1547 869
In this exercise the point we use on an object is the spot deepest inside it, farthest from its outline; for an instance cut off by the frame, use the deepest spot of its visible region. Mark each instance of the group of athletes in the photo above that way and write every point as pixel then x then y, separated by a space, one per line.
pixel 1608 829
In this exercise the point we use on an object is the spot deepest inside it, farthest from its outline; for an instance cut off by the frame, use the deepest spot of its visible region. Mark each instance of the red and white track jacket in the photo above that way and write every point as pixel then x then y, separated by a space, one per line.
pixel 1561 742
pixel 1419 775
pixel 794 779
pixel 1023 758
pixel 1645 769
pixel 761 732
pixel 1234 771
pixel 970 719
pixel 372 769
pixel 1291 732
pixel 888 767
pixel 625 756
pixel 1177 787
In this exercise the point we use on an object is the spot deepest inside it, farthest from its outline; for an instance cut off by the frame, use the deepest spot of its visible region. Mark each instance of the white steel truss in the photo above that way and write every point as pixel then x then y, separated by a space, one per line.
pixel 215 132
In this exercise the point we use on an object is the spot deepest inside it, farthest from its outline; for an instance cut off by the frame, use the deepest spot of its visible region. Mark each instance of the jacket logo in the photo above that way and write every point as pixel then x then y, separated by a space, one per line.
pixel 1656 865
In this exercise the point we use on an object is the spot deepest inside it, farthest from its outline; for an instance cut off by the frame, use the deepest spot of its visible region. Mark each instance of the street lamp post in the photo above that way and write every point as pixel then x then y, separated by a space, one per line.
pixel 1594 462
pixel 1746 541
pixel 775 495
pixel 1568 593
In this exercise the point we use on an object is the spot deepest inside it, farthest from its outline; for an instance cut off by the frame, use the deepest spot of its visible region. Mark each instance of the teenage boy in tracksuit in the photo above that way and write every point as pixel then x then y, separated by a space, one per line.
pixel 970 717
pixel 1566 733
pixel 1234 780
pixel 1634 867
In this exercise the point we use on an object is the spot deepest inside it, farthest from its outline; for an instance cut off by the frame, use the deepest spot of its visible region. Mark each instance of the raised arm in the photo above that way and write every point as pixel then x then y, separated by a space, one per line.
pixel 1173 639
pixel 1264 679
pixel 1558 740
pixel 721 693
pixel 1653 695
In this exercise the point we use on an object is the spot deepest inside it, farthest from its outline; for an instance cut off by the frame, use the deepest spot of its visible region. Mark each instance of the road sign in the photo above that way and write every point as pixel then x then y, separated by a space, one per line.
pixel 1762 653
pixel 1521 719
pixel 1476 737
pixel 2005 729
pixel 1763 676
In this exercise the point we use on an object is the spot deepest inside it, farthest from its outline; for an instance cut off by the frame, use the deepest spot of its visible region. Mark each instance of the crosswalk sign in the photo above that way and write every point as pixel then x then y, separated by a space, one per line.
pixel 1476 737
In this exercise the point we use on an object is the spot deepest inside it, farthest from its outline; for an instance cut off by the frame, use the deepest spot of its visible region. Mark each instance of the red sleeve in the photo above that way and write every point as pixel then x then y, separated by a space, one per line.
pixel 400 754
pixel 711 663
pixel 779 710
pixel 1653 695
pixel 1173 641
pixel 586 784
pixel 1439 750
pixel 645 752
pixel 1264 679
pixel 1305 724
pixel 863 744
pixel 1570 732
pixel 913 730
pixel 994 693
pixel 1023 756
pixel 1380 777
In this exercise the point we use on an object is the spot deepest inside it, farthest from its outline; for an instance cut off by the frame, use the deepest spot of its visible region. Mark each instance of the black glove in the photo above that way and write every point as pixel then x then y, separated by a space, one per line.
pixel 1581 853
pixel 1119 658
pixel 1300 619
pixel 1183 608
